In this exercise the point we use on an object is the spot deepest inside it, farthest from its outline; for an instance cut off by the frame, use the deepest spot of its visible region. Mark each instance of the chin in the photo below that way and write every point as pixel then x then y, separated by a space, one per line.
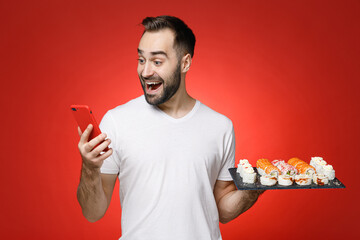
pixel 154 99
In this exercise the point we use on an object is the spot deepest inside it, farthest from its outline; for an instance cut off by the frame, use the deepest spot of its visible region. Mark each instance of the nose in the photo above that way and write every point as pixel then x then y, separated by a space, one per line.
pixel 147 70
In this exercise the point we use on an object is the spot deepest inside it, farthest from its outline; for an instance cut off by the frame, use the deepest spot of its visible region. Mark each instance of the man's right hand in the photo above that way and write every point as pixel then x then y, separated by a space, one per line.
pixel 95 189
pixel 91 155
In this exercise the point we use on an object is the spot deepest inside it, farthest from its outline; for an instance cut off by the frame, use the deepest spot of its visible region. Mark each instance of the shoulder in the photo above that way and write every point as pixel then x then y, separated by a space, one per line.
pixel 131 107
pixel 208 114
pixel 126 112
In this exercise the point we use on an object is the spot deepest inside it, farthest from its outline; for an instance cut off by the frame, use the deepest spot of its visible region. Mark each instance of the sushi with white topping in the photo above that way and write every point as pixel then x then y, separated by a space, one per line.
pixel 303 179
pixel 268 180
pixel 320 179
pixel 285 180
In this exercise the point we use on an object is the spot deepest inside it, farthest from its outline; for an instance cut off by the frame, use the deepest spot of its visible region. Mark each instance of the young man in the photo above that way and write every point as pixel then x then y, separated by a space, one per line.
pixel 170 152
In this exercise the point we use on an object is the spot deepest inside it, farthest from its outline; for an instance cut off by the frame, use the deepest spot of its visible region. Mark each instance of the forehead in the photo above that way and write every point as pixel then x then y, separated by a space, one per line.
pixel 162 40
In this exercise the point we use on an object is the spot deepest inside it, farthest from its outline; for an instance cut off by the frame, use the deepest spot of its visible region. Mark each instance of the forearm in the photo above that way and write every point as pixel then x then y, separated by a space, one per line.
pixel 91 195
pixel 235 203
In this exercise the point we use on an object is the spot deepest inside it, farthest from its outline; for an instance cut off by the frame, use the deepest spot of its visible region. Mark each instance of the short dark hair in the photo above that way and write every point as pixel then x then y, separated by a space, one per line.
pixel 184 37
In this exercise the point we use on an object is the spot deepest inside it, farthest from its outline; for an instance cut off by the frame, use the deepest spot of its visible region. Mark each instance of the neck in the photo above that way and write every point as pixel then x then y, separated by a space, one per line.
pixel 180 104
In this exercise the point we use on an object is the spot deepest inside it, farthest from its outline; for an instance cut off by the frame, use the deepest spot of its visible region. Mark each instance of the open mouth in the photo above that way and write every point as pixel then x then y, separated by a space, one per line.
pixel 152 86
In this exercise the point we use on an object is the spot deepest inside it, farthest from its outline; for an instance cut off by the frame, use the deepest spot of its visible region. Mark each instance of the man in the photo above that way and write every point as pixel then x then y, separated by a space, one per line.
pixel 170 152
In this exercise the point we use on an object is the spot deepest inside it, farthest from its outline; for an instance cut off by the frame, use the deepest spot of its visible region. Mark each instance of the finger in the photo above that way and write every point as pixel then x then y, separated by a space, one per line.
pixel 100 148
pixel 94 142
pixel 85 136
pixel 79 131
pixel 105 155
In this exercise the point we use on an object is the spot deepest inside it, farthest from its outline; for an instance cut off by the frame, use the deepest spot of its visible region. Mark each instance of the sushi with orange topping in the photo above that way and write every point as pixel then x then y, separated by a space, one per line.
pixel 302 167
pixel 265 167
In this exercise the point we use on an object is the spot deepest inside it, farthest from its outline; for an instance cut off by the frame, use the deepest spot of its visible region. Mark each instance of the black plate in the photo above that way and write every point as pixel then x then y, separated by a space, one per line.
pixel 257 186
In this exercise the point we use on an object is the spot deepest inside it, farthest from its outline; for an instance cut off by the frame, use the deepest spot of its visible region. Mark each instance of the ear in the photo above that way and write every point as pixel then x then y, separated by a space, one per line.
pixel 186 63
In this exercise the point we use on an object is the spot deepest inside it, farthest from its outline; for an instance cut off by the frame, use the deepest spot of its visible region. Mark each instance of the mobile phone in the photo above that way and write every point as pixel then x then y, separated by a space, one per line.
pixel 84 116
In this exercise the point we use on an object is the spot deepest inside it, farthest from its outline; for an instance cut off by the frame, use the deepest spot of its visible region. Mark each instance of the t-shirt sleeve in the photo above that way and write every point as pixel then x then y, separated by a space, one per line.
pixel 228 160
pixel 111 165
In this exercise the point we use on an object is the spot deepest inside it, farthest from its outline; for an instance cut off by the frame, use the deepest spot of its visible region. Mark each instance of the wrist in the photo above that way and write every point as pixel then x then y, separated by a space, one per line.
pixel 89 171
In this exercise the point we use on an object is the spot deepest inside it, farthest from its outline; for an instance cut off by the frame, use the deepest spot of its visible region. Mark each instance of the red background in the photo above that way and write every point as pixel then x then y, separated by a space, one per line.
pixel 285 72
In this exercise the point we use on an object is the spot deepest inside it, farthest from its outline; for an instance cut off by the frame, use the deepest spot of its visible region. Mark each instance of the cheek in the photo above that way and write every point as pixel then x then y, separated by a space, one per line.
pixel 166 73
pixel 139 69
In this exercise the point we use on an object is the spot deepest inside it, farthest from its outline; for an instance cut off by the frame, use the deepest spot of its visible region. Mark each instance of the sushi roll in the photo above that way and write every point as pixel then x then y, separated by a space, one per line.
pixel 265 167
pixel 322 167
pixel 285 168
pixel 303 179
pixel 318 163
pixel 246 171
pixel 246 165
pixel 249 175
pixel 268 180
pixel 329 172
pixel 285 180
pixel 246 168
pixel 302 167
pixel 320 179
pixel 241 163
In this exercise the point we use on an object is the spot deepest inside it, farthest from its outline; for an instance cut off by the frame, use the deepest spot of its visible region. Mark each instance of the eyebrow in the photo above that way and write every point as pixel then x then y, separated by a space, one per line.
pixel 154 53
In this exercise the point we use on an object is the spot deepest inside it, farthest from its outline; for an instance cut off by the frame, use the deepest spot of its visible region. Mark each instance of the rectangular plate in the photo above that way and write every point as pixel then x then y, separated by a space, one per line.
pixel 257 186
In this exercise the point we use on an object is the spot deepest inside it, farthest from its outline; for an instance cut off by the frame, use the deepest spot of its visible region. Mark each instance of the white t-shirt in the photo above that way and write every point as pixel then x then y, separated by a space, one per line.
pixel 167 169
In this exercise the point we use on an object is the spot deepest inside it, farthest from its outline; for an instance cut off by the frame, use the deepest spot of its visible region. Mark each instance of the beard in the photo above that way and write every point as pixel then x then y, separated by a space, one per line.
pixel 170 87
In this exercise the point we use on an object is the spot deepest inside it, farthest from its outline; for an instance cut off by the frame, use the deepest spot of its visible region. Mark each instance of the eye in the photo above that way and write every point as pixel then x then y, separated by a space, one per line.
pixel 141 61
pixel 157 63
